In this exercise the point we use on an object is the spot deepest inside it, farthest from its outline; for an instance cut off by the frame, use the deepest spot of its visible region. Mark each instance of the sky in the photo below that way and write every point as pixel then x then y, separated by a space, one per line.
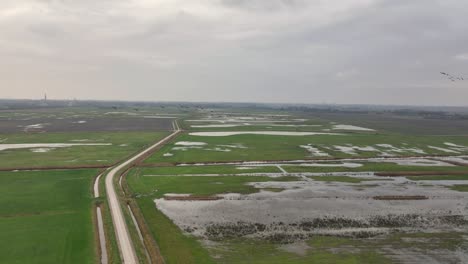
pixel 282 51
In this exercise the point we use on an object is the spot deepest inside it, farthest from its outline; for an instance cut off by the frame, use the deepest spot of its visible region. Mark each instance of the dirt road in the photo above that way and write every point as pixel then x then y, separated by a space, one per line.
pixel 124 241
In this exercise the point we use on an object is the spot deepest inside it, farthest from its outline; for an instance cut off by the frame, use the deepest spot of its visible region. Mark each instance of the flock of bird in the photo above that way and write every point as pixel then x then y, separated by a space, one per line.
pixel 452 78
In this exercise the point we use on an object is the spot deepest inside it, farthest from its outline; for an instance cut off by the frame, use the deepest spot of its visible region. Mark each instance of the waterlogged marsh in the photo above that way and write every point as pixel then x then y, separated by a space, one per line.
pixel 286 218
pixel 274 147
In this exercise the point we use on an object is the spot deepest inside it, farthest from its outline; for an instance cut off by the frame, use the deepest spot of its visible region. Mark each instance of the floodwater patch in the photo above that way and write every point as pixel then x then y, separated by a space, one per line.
pixel 414 162
pixel 350 127
pixel 444 149
pixel 315 152
pixel 269 133
pixel 41 150
pixel 160 117
pixel 48 145
pixel 235 146
pixel 304 208
pixel 218 126
pixel 35 126
pixel 343 165
pixel 189 143
pixel 219 149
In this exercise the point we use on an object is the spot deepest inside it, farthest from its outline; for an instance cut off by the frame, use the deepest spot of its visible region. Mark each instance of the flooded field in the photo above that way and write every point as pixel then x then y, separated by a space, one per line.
pixel 306 207
pixel 288 189
pixel 287 137
pixel 290 213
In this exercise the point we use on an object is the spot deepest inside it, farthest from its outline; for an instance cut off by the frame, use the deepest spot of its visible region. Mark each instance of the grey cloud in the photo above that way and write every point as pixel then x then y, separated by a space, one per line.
pixel 265 5
pixel 343 51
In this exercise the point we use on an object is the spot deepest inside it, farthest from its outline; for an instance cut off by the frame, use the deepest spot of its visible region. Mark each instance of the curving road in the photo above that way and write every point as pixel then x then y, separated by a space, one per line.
pixel 123 238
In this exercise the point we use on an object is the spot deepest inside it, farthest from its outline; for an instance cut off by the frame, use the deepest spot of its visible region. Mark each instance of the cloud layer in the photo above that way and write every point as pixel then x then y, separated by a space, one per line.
pixel 305 51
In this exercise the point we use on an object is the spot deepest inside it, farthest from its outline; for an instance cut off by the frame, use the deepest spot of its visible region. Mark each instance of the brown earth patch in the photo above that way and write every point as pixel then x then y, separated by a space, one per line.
pixel 400 197
pixel 192 198
pixel 58 168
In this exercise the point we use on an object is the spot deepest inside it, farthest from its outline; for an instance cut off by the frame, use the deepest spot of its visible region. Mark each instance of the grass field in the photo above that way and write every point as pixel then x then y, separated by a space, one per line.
pixel 439 178
pixel 375 167
pixel 411 124
pixel 290 168
pixel 175 246
pixel 460 187
pixel 123 144
pixel 45 217
pixel 157 186
pixel 261 147
pixel 335 250
pixel 317 250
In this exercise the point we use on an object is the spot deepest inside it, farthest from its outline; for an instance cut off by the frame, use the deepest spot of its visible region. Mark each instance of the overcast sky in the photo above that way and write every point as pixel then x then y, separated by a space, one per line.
pixel 304 51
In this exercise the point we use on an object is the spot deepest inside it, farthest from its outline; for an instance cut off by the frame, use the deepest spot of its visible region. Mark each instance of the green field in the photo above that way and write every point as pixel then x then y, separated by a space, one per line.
pixel 439 178
pixel 335 250
pixel 291 168
pixel 157 186
pixel 374 167
pixel 263 147
pixel 123 145
pixel 216 169
pixel 46 217
pixel 460 187
pixel 405 123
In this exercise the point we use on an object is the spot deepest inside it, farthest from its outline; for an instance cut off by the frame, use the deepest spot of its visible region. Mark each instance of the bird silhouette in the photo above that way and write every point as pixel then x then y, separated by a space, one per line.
pixel 452 77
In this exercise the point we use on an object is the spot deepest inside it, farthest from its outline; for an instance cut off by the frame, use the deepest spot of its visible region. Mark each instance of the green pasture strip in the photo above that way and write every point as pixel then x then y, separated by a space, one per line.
pixel 46 217
pixel 123 144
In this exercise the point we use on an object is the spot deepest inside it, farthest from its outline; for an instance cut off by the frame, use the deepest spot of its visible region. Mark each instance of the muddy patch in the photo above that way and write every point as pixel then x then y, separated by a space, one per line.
pixel 400 197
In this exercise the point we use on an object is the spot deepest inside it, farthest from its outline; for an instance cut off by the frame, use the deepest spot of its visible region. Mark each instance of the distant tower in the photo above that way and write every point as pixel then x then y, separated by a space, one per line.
pixel 44 101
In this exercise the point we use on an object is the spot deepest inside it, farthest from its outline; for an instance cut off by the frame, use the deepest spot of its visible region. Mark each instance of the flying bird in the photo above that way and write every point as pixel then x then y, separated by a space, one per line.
pixel 452 77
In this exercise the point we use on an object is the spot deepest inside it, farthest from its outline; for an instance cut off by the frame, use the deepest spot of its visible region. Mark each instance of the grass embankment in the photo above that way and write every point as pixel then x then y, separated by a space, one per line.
pixel 317 250
pixel 123 144
pixel 336 250
pixel 173 244
pixel 46 217
pixel 261 147
pixel 439 178
pixel 460 187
